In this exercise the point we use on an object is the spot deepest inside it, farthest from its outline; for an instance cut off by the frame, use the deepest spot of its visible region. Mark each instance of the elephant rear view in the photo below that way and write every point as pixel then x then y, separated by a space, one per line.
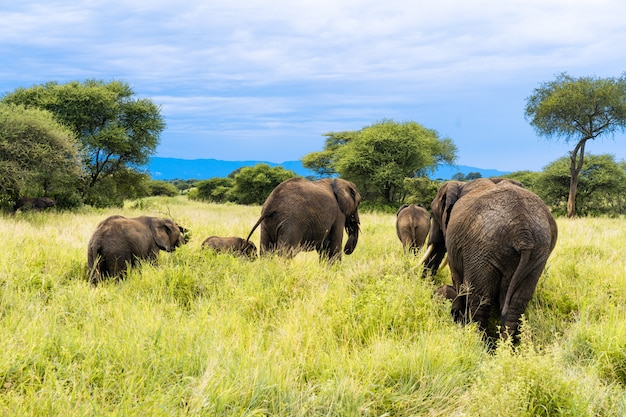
pixel 302 215
pixel 498 237
pixel 412 224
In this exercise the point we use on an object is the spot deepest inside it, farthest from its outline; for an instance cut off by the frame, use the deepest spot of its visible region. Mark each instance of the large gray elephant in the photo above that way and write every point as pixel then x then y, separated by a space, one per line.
pixel 302 215
pixel 34 203
pixel 412 225
pixel 498 237
pixel 232 244
pixel 119 242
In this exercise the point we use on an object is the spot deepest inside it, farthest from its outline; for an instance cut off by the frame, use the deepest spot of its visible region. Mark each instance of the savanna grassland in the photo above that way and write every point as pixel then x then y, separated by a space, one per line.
pixel 211 334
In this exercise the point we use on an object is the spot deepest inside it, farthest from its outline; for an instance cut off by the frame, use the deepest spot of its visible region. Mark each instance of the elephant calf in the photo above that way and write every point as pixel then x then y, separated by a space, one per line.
pixel 119 242
pixel 232 244
pixel 446 291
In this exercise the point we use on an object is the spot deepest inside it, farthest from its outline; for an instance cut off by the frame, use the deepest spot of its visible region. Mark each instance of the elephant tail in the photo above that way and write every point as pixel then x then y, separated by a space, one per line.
pixel 516 280
pixel 263 217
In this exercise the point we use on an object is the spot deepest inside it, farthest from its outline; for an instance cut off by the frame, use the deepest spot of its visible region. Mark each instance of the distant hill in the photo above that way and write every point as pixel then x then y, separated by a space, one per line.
pixel 200 169
pixel 184 169
pixel 445 172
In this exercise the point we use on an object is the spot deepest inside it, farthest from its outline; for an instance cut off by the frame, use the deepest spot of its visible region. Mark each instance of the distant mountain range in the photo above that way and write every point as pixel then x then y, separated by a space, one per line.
pixel 184 169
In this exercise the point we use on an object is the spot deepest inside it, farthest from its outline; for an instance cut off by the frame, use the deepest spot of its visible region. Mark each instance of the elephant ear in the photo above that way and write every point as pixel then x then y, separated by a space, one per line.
pixel 402 207
pixel 448 198
pixel 347 196
pixel 161 232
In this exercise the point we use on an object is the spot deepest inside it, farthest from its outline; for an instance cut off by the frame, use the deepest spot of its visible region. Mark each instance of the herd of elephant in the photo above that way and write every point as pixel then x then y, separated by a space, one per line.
pixel 497 236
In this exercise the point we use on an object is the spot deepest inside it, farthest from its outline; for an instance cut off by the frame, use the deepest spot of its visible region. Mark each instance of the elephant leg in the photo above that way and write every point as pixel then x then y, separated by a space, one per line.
pixel 282 248
pixel 96 267
pixel 519 302
pixel 330 249
pixel 458 309
pixel 117 265
pixel 267 245
pixel 479 310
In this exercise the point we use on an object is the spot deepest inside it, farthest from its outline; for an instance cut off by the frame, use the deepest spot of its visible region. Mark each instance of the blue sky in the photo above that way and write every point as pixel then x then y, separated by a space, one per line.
pixel 264 80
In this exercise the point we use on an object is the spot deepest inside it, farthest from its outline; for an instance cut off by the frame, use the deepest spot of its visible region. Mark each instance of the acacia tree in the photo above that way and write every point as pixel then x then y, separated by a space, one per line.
pixel 379 157
pixel 601 186
pixel 579 110
pixel 118 132
pixel 38 156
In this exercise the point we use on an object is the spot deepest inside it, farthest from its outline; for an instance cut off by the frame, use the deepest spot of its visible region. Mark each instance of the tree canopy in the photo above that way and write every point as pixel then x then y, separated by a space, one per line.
pixel 38 156
pixel 379 157
pixel 117 132
pixel 578 110
pixel 601 185
pixel 253 184
pixel 215 189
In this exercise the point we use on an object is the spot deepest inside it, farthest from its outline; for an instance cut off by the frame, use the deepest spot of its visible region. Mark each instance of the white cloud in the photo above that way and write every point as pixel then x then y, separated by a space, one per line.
pixel 255 68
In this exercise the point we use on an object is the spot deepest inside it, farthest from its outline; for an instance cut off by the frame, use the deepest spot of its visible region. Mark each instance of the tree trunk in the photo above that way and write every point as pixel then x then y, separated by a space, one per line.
pixel 577 157
pixel 571 200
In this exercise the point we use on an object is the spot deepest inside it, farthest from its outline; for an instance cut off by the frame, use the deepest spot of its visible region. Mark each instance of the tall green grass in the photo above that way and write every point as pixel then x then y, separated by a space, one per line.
pixel 212 334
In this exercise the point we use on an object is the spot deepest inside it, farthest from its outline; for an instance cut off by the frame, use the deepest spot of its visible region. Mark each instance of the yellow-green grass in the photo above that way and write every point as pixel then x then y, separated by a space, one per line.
pixel 211 334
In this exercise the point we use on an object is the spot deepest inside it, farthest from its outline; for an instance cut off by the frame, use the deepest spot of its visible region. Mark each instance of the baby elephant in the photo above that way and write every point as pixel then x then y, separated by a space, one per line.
pixel 119 242
pixel 458 308
pixel 446 291
pixel 236 245
pixel 412 225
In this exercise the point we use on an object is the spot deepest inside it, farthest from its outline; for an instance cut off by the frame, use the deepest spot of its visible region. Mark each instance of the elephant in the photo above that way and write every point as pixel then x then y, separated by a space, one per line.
pixel 34 203
pixel 119 242
pixel 412 225
pixel 231 244
pixel 446 291
pixel 302 215
pixel 498 237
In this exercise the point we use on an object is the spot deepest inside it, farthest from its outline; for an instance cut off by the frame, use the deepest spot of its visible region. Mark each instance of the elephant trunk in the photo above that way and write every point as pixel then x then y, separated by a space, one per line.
pixel 352 227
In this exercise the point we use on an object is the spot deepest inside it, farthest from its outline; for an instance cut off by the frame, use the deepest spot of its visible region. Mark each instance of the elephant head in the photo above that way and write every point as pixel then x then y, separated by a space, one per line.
pixel 440 207
pixel 348 199
pixel 167 234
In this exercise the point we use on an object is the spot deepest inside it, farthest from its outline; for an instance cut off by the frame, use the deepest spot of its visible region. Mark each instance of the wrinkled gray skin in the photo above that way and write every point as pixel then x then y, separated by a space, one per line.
pixel 302 215
pixel 231 244
pixel 119 242
pixel 412 225
pixel 36 203
pixel 498 237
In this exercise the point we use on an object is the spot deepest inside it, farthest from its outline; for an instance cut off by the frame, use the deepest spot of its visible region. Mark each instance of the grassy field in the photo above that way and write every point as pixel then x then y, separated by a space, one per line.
pixel 210 334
